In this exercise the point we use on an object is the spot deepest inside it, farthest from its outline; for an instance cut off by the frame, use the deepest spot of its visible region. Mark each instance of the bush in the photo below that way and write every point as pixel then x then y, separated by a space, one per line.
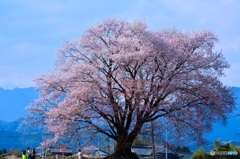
pixel 3 151
pixel 199 154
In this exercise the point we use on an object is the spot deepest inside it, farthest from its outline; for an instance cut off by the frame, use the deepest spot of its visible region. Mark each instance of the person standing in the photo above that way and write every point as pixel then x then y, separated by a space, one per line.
pixel 80 154
pixel 33 155
pixel 24 155
pixel 28 150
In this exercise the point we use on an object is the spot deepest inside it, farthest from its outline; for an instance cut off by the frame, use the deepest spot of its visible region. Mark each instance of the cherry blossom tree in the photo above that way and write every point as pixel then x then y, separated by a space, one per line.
pixel 119 76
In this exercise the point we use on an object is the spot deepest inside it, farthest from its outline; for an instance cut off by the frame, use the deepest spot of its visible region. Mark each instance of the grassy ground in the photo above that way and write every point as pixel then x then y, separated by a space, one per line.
pixel 12 156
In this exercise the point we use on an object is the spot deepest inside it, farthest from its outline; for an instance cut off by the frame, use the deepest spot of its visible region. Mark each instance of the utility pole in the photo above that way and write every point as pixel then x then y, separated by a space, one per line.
pixel 166 144
pixel 98 146
pixel 153 143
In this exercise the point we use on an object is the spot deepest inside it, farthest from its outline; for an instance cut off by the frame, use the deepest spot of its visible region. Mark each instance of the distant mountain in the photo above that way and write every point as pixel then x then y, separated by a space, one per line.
pixel 13 102
pixel 9 137
pixel 10 126
pixel 15 135
pixel 12 108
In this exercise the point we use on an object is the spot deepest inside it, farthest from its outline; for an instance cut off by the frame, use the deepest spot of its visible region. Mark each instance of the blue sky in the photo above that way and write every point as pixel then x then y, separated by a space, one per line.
pixel 32 31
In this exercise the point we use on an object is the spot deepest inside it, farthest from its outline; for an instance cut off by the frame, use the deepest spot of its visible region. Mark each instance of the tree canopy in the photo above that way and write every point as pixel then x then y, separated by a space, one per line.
pixel 120 75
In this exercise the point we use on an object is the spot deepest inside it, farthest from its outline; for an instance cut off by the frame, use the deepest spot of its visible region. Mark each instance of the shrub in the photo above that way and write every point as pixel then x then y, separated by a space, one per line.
pixel 199 154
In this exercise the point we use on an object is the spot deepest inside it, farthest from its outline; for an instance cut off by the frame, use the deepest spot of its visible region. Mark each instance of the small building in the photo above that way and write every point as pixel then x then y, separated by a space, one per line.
pixel 60 150
pixel 94 153
pixel 187 155
pixel 160 153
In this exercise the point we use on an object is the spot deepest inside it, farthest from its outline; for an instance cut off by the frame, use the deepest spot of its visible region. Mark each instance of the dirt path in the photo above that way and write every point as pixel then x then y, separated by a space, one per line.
pixel 11 157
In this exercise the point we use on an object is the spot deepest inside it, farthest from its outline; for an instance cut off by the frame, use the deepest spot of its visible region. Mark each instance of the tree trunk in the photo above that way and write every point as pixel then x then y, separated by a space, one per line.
pixel 123 150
